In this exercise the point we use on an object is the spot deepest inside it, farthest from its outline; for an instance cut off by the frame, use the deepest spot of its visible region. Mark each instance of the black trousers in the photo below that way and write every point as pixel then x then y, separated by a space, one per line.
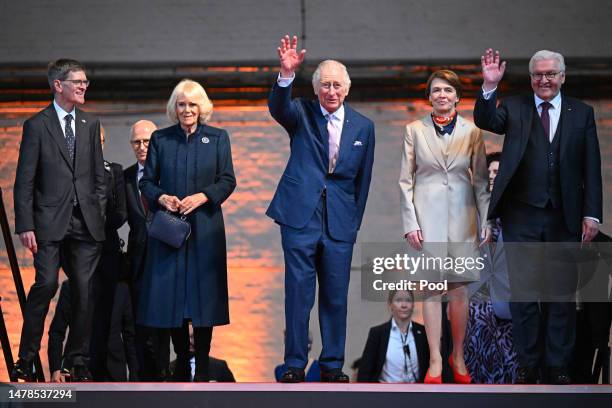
pixel 152 345
pixel 104 284
pixel 78 254
pixel 544 330
pixel 181 341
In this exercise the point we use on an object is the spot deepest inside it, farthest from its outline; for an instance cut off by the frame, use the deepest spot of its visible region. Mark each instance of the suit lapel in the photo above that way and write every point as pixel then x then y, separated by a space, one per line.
pixel 564 120
pixel 430 137
pixel 81 142
pixel 347 137
pixel 384 344
pixel 133 183
pixel 321 123
pixel 526 122
pixel 55 129
pixel 458 140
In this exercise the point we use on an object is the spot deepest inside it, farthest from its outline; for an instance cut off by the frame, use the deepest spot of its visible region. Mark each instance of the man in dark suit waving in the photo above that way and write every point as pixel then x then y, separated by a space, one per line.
pixel 319 204
pixel 60 201
pixel 548 189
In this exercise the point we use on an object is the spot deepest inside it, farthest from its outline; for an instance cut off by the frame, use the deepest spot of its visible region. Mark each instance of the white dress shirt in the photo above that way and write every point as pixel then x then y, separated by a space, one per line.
pixel 399 366
pixel 61 114
pixel 554 113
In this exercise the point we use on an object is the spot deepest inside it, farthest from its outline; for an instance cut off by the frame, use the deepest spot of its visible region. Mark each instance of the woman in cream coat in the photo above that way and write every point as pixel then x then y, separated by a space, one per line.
pixel 443 184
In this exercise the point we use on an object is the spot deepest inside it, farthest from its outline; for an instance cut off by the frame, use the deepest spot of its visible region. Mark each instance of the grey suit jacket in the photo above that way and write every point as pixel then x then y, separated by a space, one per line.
pixel 47 180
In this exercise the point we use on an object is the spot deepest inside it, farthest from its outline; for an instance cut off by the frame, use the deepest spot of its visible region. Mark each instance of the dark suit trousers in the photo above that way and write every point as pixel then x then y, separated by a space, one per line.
pixel 310 253
pixel 544 330
pixel 152 345
pixel 78 254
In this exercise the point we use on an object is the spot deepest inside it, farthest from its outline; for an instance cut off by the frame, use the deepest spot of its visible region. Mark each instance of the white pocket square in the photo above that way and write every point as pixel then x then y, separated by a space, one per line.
pixel 357 143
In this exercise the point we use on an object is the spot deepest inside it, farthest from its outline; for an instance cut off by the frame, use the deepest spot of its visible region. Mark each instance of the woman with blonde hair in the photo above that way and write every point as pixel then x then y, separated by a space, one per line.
pixel 188 171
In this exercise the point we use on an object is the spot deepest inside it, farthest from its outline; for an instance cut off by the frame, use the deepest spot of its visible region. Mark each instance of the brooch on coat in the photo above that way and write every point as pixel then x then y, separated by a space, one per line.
pixel 205 140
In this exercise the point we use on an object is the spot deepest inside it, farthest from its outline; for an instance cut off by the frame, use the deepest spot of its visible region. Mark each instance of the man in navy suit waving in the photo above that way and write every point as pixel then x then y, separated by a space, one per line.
pixel 319 205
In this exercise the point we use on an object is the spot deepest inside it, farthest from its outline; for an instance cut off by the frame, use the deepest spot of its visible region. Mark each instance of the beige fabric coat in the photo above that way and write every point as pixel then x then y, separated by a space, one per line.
pixel 443 185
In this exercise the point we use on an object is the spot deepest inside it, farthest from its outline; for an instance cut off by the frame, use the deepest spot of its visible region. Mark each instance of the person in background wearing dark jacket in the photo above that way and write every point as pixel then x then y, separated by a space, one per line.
pixel 110 267
pixel 152 344
pixel 396 351
pixel 219 370
pixel 121 350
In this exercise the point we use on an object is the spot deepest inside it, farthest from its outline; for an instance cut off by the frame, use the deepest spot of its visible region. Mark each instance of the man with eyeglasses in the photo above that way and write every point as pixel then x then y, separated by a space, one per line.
pixel 548 189
pixel 319 205
pixel 60 200
pixel 152 344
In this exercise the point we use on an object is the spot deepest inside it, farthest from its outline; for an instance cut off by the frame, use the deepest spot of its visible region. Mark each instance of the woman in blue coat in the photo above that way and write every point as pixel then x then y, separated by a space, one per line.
pixel 188 170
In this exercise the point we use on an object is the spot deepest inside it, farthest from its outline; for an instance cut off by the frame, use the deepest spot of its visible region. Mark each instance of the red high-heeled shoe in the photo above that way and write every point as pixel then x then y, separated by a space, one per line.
pixel 459 378
pixel 432 380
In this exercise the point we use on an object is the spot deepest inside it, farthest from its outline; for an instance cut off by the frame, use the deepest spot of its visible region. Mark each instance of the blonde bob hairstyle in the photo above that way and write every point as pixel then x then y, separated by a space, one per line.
pixel 196 93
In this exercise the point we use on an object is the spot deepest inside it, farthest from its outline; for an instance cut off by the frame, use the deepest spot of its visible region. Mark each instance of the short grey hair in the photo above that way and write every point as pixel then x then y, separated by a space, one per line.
pixel 59 70
pixel 316 76
pixel 547 55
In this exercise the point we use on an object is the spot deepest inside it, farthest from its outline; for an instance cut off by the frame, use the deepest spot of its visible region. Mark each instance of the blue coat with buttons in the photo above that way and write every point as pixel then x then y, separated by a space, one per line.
pixel 189 282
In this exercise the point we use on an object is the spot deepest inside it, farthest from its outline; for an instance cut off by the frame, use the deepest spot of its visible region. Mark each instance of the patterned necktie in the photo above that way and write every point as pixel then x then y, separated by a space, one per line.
pixel 145 204
pixel 69 136
pixel 334 142
pixel 546 118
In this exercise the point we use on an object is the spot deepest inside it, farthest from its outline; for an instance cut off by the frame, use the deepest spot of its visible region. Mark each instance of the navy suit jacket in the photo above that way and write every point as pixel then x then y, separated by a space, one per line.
pixel 306 175
pixel 580 162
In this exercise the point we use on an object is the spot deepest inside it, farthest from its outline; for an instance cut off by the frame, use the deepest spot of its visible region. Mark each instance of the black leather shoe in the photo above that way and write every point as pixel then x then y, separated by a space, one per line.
pixel 22 370
pixel 558 376
pixel 334 376
pixel 80 373
pixel 292 375
pixel 526 375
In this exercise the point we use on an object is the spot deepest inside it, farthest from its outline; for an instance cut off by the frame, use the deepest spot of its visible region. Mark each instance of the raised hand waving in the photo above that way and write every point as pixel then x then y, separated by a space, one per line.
pixel 290 58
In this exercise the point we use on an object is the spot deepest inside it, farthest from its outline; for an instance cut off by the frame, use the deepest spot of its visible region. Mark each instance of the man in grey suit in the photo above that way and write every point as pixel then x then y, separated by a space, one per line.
pixel 60 200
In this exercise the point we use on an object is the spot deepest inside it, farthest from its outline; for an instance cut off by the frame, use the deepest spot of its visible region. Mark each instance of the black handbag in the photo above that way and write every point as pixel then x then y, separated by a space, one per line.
pixel 169 228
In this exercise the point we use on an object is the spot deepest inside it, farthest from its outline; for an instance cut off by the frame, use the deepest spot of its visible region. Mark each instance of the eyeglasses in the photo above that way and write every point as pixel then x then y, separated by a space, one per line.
pixel 328 85
pixel 78 82
pixel 548 75
pixel 137 143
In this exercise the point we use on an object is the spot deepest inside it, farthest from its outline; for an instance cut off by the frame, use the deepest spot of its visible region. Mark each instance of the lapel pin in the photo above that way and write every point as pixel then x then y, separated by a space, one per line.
pixel 205 140
pixel 83 120
pixel 357 143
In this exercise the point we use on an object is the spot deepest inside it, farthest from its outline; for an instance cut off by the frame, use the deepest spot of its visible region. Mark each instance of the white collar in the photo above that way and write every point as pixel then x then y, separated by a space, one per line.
pixel 61 113
pixel 555 102
pixel 338 114
pixel 394 326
